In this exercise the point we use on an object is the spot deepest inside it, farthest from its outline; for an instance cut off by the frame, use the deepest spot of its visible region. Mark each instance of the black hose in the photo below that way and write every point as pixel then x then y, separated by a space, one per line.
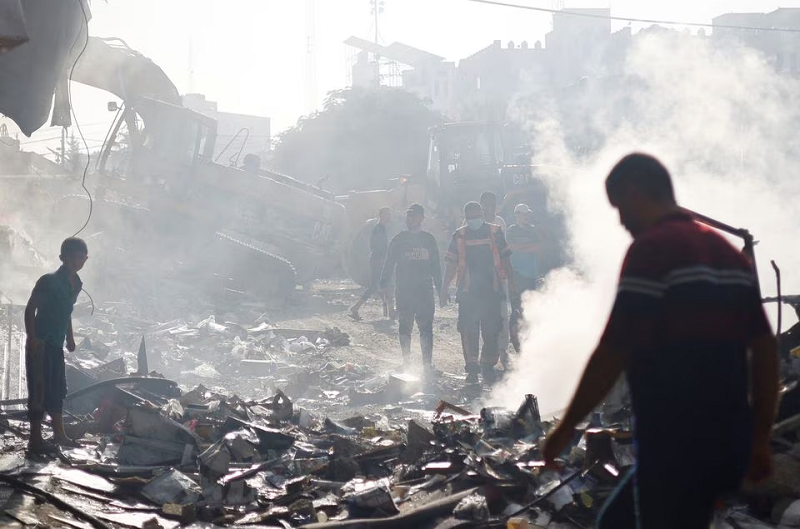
pixel 433 509
pixel 555 489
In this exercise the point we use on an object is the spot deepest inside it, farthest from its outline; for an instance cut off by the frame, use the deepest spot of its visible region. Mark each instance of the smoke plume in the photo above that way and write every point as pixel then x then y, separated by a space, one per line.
pixel 721 119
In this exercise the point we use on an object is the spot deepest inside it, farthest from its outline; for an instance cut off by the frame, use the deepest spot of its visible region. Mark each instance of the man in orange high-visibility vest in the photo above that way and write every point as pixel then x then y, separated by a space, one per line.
pixel 479 258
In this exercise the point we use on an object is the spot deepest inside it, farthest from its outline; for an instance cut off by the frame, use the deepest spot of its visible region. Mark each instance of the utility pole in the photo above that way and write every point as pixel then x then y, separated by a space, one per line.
pixel 377 9
pixel 191 59
pixel 311 56
pixel 63 159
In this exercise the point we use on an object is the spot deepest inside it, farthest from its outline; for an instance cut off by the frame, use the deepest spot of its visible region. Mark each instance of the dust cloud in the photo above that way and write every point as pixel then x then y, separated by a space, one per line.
pixel 721 119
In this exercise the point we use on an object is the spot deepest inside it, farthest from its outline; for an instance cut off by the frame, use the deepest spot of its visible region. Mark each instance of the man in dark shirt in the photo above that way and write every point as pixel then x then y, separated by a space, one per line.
pixel 686 320
pixel 415 255
pixel 479 256
pixel 525 242
pixel 48 323
pixel 378 246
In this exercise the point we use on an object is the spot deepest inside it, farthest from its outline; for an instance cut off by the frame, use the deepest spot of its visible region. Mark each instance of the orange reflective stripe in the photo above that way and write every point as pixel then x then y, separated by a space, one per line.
pixel 462 280
pixel 498 264
pixel 462 277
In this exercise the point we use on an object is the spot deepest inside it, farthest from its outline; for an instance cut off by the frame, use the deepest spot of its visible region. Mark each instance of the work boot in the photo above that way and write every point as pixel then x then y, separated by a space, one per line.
pixel 472 378
pixel 353 313
pixel 489 376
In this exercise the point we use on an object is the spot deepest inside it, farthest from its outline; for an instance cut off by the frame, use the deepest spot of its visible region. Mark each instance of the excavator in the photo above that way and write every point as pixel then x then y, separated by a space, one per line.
pixel 158 190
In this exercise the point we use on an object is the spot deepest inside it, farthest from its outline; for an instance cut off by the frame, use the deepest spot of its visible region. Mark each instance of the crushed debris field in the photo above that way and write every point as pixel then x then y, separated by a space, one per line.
pixel 284 419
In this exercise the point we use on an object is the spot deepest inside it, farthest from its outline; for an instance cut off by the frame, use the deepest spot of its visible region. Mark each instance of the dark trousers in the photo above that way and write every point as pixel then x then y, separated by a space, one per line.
pixel 480 316
pixel 46 376
pixel 375 269
pixel 419 306
pixel 523 284
pixel 676 488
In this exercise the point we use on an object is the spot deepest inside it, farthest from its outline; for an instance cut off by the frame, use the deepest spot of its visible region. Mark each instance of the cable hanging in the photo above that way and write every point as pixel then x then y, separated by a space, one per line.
pixel 630 19
pixel 75 117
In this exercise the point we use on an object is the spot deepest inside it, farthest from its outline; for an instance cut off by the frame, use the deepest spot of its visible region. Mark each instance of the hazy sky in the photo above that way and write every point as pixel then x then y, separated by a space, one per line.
pixel 251 55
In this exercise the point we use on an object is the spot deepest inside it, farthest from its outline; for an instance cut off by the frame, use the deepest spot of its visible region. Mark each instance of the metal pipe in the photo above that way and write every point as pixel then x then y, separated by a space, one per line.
pixel 7 356
pixel 411 518
pixel 780 305
pixel 745 235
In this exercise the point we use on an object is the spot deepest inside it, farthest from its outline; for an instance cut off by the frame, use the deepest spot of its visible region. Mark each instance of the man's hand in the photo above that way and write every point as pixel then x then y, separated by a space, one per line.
pixel 444 298
pixel 760 462
pixel 70 344
pixel 556 442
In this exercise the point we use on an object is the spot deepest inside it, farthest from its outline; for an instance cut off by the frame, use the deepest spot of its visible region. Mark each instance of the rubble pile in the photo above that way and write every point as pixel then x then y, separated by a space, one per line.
pixel 153 456
pixel 240 358
pixel 227 461
pixel 252 359
pixel 326 444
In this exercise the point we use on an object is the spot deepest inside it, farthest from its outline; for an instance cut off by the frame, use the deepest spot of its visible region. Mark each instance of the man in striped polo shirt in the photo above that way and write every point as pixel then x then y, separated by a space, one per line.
pixel 689 331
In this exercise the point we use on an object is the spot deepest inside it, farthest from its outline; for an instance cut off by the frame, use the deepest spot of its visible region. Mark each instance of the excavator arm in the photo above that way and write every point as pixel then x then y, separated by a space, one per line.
pixel 111 65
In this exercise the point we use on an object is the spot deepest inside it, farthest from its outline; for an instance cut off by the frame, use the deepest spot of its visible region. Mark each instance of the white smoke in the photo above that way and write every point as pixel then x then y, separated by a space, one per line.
pixel 723 122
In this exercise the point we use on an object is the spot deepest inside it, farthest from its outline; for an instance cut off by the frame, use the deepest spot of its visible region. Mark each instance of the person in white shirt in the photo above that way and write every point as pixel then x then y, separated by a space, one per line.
pixel 489 205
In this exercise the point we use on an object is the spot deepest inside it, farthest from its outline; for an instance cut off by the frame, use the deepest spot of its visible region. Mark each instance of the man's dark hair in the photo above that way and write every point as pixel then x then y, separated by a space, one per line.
pixel 488 196
pixel 644 173
pixel 472 206
pixel 416 209
pixel 384 210
pixel 73 244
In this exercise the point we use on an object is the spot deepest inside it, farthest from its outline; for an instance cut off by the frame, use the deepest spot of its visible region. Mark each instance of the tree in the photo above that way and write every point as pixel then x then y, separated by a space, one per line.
pixel 361 139
pixel 74 156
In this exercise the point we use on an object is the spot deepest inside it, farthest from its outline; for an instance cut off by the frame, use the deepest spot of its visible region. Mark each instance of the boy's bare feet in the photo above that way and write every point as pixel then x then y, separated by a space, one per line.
pixel 42 448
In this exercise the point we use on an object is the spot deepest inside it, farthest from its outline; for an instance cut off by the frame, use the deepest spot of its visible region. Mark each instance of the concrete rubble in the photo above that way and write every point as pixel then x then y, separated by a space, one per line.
pixel 204 458
pixel 324 445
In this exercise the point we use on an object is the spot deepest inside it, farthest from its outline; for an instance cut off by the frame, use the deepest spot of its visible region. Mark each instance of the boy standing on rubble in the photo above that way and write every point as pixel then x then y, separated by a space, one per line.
pixel 48 324
pixel 689 331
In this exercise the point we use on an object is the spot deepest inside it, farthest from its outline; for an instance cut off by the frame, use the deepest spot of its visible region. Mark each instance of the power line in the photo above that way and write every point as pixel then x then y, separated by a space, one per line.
pixel 54 138
pixel 630 19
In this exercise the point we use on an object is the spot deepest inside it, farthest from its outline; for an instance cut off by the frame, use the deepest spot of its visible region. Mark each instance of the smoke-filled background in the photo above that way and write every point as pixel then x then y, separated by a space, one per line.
pixel 723 122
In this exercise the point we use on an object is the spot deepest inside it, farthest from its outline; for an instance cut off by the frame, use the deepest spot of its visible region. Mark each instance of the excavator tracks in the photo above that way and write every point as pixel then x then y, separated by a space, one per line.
pixel 255 268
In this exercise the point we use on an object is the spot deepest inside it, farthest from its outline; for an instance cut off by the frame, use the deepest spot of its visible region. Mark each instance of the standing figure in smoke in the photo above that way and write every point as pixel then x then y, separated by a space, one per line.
pixel 48 324
pixel 489 205
pixel 525 242
pixel 378 246
pixel 687 311
pixel 415 254
pixel 479 257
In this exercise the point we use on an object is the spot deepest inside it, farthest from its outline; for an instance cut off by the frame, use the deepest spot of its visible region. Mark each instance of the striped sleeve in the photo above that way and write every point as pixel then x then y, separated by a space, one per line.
pixel 638 300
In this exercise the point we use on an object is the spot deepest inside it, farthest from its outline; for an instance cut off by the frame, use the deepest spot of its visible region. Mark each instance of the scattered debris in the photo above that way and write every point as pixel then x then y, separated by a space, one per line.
pixel 153 455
